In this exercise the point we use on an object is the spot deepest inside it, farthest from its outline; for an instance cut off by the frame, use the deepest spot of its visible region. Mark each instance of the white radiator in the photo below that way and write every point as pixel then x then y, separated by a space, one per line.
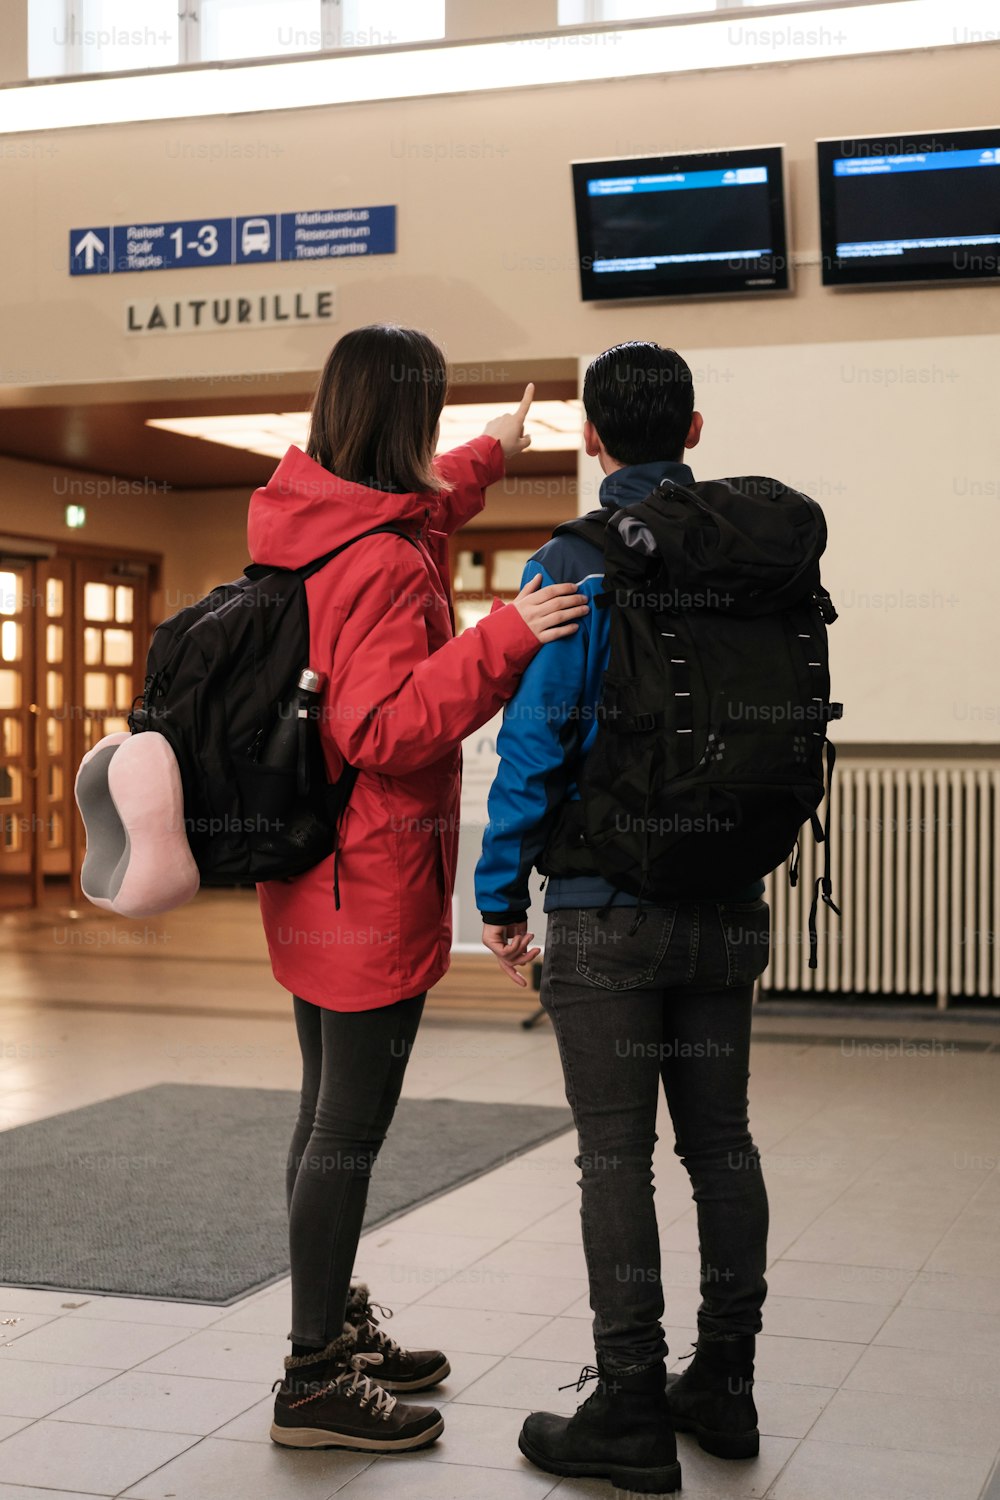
pixel 916 874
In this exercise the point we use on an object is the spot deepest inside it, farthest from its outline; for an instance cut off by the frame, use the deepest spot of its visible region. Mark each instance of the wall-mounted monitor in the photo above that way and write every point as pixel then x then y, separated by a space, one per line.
pixel 905 208
pixel 701 224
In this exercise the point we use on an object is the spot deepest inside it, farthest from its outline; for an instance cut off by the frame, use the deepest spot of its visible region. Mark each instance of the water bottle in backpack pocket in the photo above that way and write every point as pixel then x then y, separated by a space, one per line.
pixel 278 781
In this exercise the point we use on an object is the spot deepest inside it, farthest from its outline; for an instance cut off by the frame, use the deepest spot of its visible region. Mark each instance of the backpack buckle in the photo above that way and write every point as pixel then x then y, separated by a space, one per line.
pixel 825 606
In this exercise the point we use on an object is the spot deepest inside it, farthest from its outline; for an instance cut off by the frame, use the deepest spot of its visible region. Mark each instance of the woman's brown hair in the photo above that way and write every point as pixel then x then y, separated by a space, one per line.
pixel 377 406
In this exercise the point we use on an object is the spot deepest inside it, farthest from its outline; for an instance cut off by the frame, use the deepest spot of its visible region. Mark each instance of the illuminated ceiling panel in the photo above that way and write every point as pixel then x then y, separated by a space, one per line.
pixel 553 426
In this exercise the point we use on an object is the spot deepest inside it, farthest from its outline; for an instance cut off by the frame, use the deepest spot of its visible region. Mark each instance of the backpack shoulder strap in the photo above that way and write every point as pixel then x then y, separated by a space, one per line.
pixel 255 571
pixel 591 527
pixel 308 569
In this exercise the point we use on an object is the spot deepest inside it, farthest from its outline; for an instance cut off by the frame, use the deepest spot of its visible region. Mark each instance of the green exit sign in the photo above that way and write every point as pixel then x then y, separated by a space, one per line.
pixel 76 515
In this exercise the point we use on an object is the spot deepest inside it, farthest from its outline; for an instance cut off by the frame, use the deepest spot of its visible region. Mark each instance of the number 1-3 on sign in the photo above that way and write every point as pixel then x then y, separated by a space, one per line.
pixel 206 242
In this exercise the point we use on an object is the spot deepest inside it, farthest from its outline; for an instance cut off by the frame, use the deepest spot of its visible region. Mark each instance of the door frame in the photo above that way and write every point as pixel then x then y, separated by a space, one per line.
pixel 42 550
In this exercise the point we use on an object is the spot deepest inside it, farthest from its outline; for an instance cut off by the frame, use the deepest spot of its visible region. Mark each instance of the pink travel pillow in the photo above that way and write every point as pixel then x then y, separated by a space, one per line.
pixel 138 859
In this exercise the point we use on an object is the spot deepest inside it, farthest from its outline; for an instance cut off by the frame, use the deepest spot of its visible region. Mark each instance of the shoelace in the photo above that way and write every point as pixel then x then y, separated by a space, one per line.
pixel 354 1382
pixel 586 1375
pixel 380 1336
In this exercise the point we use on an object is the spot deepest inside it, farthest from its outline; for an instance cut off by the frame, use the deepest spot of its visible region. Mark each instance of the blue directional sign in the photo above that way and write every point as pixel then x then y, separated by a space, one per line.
pixel 175 244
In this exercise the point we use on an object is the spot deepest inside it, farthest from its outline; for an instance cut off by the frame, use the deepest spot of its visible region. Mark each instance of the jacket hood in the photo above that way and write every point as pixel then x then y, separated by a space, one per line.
pixel 304 511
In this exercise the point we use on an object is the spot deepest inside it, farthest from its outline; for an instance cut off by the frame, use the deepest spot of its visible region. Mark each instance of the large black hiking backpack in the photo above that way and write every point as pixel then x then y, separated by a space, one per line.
pixel 708 757
pixel 219 674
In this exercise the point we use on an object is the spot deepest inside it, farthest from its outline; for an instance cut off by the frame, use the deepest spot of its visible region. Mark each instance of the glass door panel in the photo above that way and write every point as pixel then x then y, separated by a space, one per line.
pixel 487 565
pixel 114 610
pixel 55 721
pixel 508 565
pixel 17 734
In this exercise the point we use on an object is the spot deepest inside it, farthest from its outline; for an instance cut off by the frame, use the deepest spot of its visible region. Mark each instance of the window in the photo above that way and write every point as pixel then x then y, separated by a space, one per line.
pixel 681 42
pixel 254 28
pixel 596 12
pixel 67 37
pixel 267 28
pixel 387 23
pixel 580 12
pixel 101 36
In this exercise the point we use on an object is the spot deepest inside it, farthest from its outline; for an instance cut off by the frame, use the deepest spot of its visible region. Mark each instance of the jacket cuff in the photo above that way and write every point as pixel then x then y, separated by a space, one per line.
pixel 502 918
pixel 507 626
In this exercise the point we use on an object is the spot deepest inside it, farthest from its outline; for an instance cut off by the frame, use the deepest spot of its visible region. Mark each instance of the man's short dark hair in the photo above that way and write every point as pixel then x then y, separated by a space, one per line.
pixel 640 398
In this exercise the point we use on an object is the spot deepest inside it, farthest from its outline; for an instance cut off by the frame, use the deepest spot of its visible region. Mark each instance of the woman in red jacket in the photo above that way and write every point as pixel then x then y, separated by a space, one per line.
pixel 401 693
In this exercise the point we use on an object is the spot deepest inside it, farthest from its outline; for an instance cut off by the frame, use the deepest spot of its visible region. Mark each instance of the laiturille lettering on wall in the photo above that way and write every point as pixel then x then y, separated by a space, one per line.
pixel 283 308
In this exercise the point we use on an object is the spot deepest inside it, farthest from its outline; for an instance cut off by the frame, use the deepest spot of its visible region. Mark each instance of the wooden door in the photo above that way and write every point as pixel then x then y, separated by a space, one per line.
pixel 73 639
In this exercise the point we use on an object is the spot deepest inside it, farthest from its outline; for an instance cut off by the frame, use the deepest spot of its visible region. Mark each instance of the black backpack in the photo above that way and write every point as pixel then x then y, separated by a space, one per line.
pixel 219 673
pixel 712 723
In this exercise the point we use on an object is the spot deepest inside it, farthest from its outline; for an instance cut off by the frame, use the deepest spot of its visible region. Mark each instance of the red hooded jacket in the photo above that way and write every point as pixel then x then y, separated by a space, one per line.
pixel 401 693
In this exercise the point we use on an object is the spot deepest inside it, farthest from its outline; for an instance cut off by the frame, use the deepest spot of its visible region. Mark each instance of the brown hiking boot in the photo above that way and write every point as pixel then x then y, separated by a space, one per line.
pixel 326 1400
pixel 401 1369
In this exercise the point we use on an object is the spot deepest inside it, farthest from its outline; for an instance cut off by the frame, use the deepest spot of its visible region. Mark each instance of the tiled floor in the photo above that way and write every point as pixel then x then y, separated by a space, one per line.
pixel 879 1368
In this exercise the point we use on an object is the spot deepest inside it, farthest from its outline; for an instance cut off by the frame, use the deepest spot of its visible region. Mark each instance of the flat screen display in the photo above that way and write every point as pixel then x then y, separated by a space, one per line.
pixel 701 224
pixel 922 207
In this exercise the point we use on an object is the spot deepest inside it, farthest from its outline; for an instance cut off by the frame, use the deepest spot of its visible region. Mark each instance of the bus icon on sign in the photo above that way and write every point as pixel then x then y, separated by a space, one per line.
pixel 256 237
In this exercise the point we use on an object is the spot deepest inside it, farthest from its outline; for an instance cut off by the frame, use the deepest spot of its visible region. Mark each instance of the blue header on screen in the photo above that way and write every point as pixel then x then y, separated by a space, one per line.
pixel 665 182
pixel 931 161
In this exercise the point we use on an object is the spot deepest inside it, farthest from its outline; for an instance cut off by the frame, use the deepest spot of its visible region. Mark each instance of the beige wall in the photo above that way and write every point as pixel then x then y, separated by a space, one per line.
pixel 201 534
pixel 486 237
pixel 13 41
pixel 468 18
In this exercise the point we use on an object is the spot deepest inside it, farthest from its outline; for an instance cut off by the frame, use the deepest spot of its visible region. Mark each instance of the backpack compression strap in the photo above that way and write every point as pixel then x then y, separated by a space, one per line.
pixel 823 886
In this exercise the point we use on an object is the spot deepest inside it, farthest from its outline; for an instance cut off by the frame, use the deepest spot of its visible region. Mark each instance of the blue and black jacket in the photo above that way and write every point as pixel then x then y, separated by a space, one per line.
pixel 550 724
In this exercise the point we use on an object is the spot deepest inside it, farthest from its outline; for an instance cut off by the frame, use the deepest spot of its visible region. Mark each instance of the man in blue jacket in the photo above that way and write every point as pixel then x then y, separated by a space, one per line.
pixel 636 997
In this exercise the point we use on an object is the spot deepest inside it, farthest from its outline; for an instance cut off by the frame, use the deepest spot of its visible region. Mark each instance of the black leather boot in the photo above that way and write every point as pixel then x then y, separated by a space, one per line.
pixel 622 1433
pixel 713 1398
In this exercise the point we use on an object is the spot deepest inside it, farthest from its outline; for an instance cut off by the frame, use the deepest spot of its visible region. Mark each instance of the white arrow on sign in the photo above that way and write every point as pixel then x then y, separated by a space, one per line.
pixel 88 245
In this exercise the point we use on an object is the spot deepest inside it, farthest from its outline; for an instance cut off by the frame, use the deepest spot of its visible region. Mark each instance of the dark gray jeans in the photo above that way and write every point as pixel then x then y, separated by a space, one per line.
pixel 353 1064
pixel 668 1004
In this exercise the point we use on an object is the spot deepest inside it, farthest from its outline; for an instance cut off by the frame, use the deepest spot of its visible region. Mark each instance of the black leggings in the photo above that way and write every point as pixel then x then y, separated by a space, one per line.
pixel 353 1064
